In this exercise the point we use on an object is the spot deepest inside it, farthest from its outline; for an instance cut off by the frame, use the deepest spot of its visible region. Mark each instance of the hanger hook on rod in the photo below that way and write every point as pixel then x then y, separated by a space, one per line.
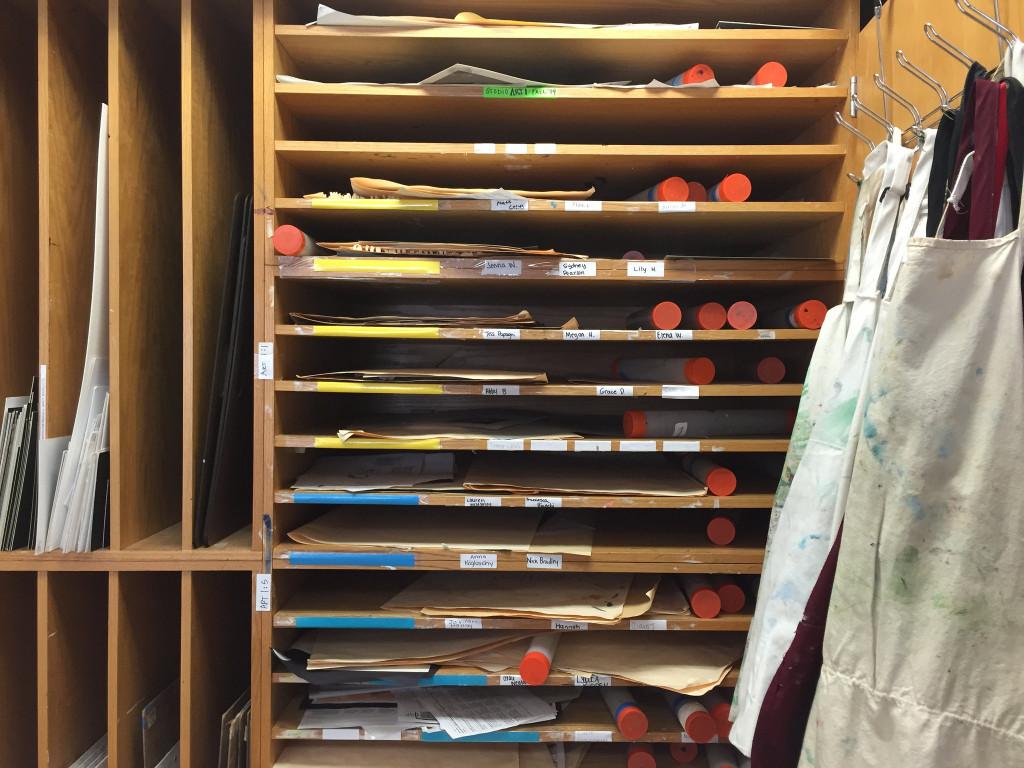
pixel 924 77
pixel 992 25
pixel 890 130
pixel 857 132
pixel 885 88
pixel 932 34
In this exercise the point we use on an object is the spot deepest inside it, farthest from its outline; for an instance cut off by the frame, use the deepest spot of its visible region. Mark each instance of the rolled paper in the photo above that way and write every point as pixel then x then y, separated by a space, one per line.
pixel 734 188
pixel 770 370
pixel 698 192
pixel 742 316
pixel 292 241
pixel 730 593
pixel 663 316
pixel 772 73
pixel 633 256
pixel 683 754
pixel 698 73
pixel 709 316
pixel 672 370
pixel 672 189
pixel 720 481
pixel 721 530
pixel 629 718
pixel 719 708
pixel 721 756
pixel 704 600
pixel 536 664
pixel 693 717
pixel 695 424
pixel 641 756
pixel 808 315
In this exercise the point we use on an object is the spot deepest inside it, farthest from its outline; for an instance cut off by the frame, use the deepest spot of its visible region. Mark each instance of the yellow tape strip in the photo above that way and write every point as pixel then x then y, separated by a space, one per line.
pixel 399 266
pixel 369 443
pixel 373 204
pixel 366 388
pixel 365 332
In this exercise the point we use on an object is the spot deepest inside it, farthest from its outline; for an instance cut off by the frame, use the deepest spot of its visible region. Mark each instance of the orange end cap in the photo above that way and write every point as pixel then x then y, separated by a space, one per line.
pixel 711 316
pixel 706 604
pixel 641 756
pixel 771 370
pixel 721 531
pixel 773 72
pixel 633 255
pixel 733 599
pixel 742 315
pixel 721 710
pixel 534 668
pixel 632 723
pixel 673 189
pixel 634 424
pixel 698 192
pixel 288 240
pixel 699 370
pixel 666 316
pixel 683 754
pixel 810 315
pixel 721 481
pixel 698 73
pixel 735 188
pixel 701 727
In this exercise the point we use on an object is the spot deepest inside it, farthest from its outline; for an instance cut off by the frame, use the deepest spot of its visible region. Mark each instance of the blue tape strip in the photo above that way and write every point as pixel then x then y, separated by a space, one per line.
pixel 353 622
pixel 506 737
pixel 407 499
pixel 364 559
pixel 471 680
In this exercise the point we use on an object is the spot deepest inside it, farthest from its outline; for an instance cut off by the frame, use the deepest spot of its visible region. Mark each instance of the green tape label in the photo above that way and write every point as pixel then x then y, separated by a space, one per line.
pixel 519 92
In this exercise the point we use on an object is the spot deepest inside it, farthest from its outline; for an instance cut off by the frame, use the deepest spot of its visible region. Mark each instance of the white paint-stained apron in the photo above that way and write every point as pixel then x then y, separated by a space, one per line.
pixel 922 651
pixel 804 528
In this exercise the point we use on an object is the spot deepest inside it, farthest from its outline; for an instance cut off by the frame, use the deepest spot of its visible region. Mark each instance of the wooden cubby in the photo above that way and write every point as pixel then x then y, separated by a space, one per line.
pixel 19 641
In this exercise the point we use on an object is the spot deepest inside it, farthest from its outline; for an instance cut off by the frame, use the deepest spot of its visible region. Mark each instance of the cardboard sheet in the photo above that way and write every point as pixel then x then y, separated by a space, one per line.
pixel 367 187
pixel 613 475
pixel 670 600
pixel 441 250
pixel 459 426
pixel 521 319
pixel 568 532
pixel 356 754
pixel 360 648
pixel 379 472
pixel 431 375
pixel 412 528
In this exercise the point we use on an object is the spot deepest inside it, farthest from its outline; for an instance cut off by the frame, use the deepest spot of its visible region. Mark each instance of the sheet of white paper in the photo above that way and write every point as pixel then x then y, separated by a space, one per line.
pixel 51 455
pixel 463 712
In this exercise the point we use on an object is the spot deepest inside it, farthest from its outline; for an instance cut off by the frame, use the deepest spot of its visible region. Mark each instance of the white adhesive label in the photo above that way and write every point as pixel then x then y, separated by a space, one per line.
pixel 581 335
pixel 263 584
pixel 549 445
pixel 478 561
pixel 500 334
pixel 501 268
pixel 577 269
pixel 265 360
pixel 638 446
pixel 682 335
pixel 517 149
pixel 681 446
pixel 543 501
pixel 42 402
pixel 647 625
pixel 545 149
pixel 645 269
pixel 460 623
pixel 485 148
pixel 614 390
pixel 592 206
pixel 766 335
pixel 680 392
pixel 675 206
pixel 499 389
pixel 544 562
pixel 512 680
pixel 481 501
pixel 592 736
pixel 340 734
pixel 593 446
pixel 563 625
pixel 592 681
pixel 510 206
pixel 505 444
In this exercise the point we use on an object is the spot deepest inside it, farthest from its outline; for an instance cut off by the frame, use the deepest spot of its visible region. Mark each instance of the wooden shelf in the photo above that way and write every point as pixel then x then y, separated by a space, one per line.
pixel 738 501
pixel 666 392
pixel 706 445
pixel 580 115
pixel 537 334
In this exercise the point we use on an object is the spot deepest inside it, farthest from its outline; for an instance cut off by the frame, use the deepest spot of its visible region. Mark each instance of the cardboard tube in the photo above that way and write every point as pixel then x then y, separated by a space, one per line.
pixel 695 424
pixel 698 73
pixel 672 370
pixel 292 241
pixel 771 73
pixel 709 316
pixel 692 716
pixel 704 600
pixel 721 530
pixel 641 756
pixel 629 718
pixel 721 481
pixel 721 756
pixel 663 316
pixel 719 708
pixel 734 188
pixel 808 315
pixel 683 754
pixel 770 370
pixel 742 316
pixel 536 664
pixel 698 192
pixel 672 189
pixel 730 593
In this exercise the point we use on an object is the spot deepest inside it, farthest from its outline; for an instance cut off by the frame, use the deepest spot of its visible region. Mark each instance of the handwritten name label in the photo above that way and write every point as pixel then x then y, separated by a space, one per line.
pixel 648 625
pixel 645 269
pixel 563 625
pixel 592 681
pixel 592 736
pixel 510 206
pixel 505 444
pixel 512 680
pixel 501 267
pixel 614 391
pixel 543 501
pixel 593 446
pixel 766 335
pixel 501 334
pixel 581 335
pixel 674 206
pixel 500 389
pixel 458 623
pixel 263 582
pixel 481 501
pixel 591 206
pixel 577 269
pixel 544 562
pixel 549 445
pixel 478 561
pixel 683 335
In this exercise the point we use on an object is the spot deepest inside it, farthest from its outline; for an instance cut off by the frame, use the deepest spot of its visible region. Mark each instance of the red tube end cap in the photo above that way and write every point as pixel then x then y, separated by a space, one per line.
pixel 641 756
pixel 673 189
pixel 288 240
pixel 742 316
pixel 721 481
pixel 701 727
pixel 699 370
pixel 721 531
pixel 774 73
pixel 634 424
pixel 698 73
pixel 698 192
pixel 706 604
pixel 666 316
pixel 534 668
pixel 733 599
pixel 734 188
pixel 771 370
pixel 632 723
pixel 683 754
pixel 711 316
pixel 810 315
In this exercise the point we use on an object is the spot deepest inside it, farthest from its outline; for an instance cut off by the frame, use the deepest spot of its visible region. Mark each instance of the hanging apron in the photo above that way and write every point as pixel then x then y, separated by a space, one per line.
pixel 801 538
pixel 921 657
pixel 1013 61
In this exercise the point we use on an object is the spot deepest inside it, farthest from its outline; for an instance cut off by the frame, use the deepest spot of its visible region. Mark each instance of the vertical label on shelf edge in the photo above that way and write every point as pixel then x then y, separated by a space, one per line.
pixel 265 360
pixel 263 591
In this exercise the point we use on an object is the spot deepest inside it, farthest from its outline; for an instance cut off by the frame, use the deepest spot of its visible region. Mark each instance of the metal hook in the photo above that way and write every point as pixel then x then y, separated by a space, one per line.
pixel 932 34
pixel 905 103
pixel 890 129
pixel 857 132
pixel 980 17
pixel 924 77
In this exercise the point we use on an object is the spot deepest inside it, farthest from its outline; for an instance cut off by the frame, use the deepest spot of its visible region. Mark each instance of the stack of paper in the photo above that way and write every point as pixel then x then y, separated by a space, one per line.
pixel 17 470
pixel 440 250
pixel 326 16
pixel 462 712
pixel 408 755
pixel 431 375
pixel 481 425
pixel 521 319
pixel 234 733
pixel 367 187
pixel 380 472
